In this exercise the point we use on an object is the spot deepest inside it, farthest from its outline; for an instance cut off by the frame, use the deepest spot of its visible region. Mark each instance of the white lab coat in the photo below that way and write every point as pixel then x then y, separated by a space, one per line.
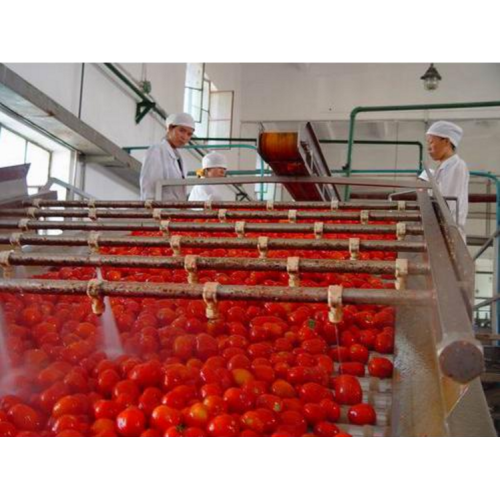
pixel 212 193
pixel 162 163
pixel 452 178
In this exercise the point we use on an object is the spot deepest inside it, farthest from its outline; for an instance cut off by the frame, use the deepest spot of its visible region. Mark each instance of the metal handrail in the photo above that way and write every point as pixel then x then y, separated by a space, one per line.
pixel 72 189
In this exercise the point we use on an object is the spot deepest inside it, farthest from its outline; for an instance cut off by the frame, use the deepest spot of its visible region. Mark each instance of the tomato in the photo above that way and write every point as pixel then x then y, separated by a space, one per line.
pixel 241 376
pixel 252 420
pixel 70 422
pixel 283 389
pixel 76 404
pixel 104 408
pixel 102 425
pixel 312 392
pixel 147 374
pixel 358 353
pixel 326 429
pixel 314 346
pixel 50 396
pixel 30 316
pixel 292 422
pixel 264 373
pixel 215 405
pixel 131 422
pixel 69 433
pixel 352 368
pixel 25 418
pixel 238 361
pixel 362 414
pixel 206 346
pixel 380 367
pixel 126 392
pixel 211 390
pixel 107 380
pixel 223 426
pixel 7 429
pixel 150 399
pixel 384 343
pixel 164 417
pixel 151 433
pixel 347 390
pixel 313 413
pixel 367 338
pixel 332 409
pixel 339 354
pixel 238 400
pixel 184 346
pixel 197 415
pixel 270 402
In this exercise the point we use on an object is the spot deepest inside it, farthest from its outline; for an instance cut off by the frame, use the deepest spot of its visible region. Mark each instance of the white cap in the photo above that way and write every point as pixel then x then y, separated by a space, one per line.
pixel 184 119
pixel 214 160
pixel 447 130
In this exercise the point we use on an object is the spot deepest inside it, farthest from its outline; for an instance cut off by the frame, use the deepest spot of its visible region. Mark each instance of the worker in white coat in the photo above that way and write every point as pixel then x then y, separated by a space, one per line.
pixel 452 174
pixel 213 165
pixel 164 162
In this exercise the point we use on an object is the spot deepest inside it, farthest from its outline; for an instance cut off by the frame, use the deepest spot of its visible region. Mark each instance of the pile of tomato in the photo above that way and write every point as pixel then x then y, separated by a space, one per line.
pixel 259 369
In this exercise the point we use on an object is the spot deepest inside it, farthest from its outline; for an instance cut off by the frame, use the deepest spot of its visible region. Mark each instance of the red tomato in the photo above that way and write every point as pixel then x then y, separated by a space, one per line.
pixel 131 422
pixel 332 409
pixel 164 417
pixel 223 426
pixel 362 414
pixel 312 392
pixel 76 404
pixel 292 422
pixel 238 400
pixel 384 343
pixel 313 413
pixel 197 415
pixel 106 409
pixel 352 368
pixel 206 346
pixel 326 429
pixel 359 353
pixel 150 399
pixel 241 376
pixel 380 367
pixel 126 392
pixel 215 405
pixel 347 390
pixel 106 380
pixel 25 418
pixel 283 389
pixel 7 429
pixel 147 374
pixel 270 402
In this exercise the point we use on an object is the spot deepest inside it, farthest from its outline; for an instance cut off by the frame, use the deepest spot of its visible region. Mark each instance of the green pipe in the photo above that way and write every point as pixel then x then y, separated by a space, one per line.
pixel 151 104
pixel 409 107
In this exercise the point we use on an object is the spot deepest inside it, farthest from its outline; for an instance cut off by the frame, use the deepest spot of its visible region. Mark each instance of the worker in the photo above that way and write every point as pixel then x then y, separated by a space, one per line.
pixel 213 165
pixel 164 162
pixel 452 175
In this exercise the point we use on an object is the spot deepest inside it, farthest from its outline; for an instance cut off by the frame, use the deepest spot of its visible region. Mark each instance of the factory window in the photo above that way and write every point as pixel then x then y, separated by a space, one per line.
pixel 211 109
pixel 16 150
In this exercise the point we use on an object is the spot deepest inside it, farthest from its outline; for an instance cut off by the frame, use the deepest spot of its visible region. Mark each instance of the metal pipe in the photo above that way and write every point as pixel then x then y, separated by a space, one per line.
pixel 226 243
pixel 376 215
pixel 375 205
pixel 495 309
pixel 224 292
pixel 220 227
pixel 460 355
pixel 215 263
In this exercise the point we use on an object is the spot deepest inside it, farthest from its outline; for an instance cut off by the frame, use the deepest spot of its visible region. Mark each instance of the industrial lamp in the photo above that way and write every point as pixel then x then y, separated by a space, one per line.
pixel 431 78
